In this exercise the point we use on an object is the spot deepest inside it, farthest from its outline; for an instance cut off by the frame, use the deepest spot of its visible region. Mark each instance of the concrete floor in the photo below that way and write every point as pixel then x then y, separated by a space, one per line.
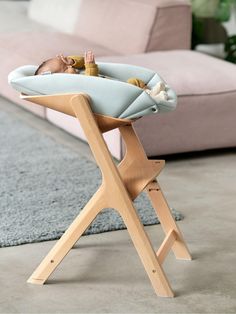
pixel 103 273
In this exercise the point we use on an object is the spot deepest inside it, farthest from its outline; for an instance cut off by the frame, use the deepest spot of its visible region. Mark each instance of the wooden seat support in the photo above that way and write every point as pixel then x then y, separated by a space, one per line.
pixel 120 186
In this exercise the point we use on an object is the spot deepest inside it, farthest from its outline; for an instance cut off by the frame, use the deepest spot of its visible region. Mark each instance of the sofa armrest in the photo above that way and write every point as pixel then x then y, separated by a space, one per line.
pixel 172 26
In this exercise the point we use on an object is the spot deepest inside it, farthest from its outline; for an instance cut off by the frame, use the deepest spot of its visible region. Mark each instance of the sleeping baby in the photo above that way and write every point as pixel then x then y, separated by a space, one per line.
pixel 87 66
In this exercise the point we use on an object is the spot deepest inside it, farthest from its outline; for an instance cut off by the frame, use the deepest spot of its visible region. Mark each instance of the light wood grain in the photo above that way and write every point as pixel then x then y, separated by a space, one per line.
pixel 120 186
pixel 166 246
pixel 167 221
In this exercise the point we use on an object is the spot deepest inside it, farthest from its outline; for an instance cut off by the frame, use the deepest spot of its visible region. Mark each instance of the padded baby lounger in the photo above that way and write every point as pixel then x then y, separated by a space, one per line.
pixel 100 105
pixel 111 97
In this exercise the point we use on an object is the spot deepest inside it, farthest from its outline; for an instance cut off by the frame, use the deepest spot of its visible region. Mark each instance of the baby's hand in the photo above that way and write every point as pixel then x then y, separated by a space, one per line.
pixel 67 60
pixel 89 57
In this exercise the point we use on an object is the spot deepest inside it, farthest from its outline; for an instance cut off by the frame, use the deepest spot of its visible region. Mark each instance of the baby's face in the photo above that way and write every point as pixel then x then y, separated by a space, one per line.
pixel 58 64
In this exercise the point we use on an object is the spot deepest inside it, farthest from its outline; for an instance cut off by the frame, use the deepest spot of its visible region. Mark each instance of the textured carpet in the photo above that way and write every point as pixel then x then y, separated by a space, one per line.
pixel 44 185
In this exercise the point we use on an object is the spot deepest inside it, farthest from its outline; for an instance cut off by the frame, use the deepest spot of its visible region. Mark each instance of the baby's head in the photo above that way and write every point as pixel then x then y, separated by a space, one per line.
pixel 59 64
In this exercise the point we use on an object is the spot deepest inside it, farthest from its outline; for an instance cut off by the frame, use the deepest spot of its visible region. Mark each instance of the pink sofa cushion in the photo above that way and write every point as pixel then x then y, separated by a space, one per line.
pixel 123 25
pixel 135 26
pixel 188 72
pixel 32 48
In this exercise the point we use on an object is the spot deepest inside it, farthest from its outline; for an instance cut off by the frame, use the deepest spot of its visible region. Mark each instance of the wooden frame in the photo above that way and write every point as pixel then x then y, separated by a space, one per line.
pixel 120 186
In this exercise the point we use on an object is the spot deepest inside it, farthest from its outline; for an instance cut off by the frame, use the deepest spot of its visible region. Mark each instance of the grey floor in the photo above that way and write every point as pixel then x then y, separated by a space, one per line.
pixel 103 273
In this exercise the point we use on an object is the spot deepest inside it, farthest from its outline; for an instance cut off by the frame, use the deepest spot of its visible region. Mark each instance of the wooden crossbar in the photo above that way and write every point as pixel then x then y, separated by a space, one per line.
pixel 120 186
pixel 166 246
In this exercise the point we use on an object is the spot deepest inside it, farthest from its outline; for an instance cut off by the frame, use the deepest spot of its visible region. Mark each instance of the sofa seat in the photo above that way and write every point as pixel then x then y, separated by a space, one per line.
pixel 32 48
pixel 206 110
pixel 211 75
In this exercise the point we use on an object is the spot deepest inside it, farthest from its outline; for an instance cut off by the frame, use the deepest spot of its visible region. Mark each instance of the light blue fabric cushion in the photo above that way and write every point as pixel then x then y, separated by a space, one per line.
pixel 111 97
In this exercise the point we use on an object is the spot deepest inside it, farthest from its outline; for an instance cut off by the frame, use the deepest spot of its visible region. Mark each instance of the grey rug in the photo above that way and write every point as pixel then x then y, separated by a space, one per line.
pixel 44 185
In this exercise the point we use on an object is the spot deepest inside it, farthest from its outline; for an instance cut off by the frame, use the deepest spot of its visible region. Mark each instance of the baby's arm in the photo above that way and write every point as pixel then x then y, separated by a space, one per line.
pixel 77 61
pixel 91 67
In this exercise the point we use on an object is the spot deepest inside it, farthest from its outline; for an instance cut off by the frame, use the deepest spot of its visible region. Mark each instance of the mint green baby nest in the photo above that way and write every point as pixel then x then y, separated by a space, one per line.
pixel 112 97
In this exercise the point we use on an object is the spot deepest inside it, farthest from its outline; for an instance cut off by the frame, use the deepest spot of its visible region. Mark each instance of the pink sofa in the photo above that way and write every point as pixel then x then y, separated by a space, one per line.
pixel 154 34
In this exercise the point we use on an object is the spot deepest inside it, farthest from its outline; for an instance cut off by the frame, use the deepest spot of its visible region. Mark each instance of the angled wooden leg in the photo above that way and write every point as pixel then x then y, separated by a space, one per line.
pixel 146 252
pixel 117 197
pixel 72 234
pixel 167 221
